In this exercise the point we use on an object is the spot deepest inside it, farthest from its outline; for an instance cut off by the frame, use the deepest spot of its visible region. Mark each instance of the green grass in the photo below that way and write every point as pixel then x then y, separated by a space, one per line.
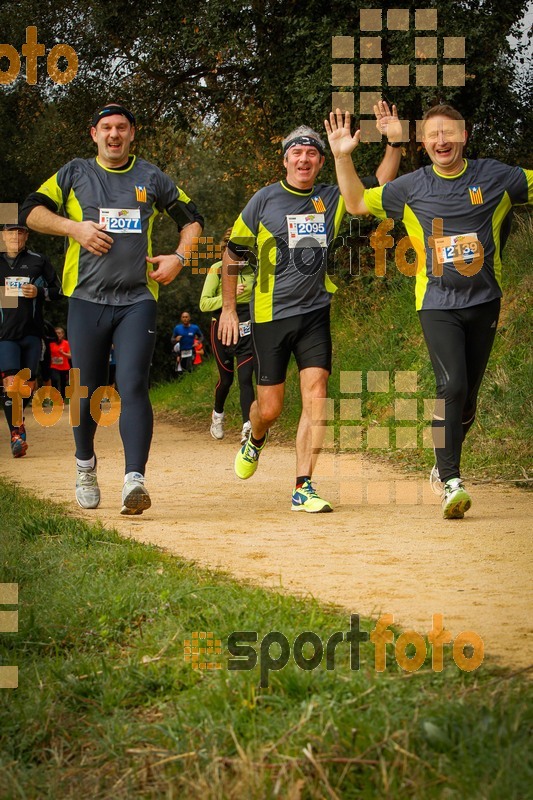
pixel 108 708
pixel 375 328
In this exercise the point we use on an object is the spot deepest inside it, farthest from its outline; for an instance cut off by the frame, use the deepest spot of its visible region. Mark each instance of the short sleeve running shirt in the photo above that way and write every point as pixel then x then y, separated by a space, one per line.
pixel 58 359
pixel 211 297
pixel 187 333
pixel 288 232
pixel 454 224
pixel 128 199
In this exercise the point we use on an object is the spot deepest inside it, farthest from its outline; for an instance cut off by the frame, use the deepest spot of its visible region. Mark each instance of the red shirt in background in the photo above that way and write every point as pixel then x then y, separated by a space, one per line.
pixel 58 359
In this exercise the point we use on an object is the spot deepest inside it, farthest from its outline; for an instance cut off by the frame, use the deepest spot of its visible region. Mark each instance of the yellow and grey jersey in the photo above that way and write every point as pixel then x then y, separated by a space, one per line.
pixel 455 227
pixel 211 297
pixel 285 233
pixel 128 199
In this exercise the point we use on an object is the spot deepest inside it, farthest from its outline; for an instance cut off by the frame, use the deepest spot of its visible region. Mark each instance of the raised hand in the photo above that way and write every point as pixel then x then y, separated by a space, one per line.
pixel 340 139
pixel 388 123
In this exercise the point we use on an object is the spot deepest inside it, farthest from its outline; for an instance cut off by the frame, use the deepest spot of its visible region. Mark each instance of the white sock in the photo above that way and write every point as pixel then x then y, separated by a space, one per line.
pixel 89 464
pixel 216 415
pixel 133 476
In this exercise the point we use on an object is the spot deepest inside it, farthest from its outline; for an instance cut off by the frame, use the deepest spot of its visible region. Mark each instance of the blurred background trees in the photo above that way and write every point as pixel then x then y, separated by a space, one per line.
pixel 215 86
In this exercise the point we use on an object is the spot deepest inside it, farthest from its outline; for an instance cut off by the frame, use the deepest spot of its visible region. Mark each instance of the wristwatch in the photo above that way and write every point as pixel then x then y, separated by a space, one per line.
pixel 180 256
pixel 394 144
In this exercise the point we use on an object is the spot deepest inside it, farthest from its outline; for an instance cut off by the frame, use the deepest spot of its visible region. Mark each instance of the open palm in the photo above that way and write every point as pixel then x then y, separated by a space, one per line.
pixel 388 123
pixel 341 141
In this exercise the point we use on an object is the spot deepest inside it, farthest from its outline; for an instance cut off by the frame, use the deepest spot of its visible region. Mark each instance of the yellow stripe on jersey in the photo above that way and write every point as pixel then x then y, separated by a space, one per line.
pixel 416 235
pixel 182 196
pixel 529 177
pixel 502 209
pixel 266 275
pixel 374 201
pixel 120 170
pixel 72 260
pixel 340 211
pixel 52 189
pixel 241 234
pixel 151 285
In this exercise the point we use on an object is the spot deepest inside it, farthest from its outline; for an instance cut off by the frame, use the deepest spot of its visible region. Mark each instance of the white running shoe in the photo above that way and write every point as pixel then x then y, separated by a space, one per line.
pixel 246 430
pixel 135 497
pixel 456 499
pixel 437 486
pixel 217 425
pixel 87 490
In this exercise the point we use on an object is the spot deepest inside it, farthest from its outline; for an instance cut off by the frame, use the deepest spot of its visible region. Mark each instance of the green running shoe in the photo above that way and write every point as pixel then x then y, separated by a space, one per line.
pixel 306 499
pixel 247 458
pixel 456 500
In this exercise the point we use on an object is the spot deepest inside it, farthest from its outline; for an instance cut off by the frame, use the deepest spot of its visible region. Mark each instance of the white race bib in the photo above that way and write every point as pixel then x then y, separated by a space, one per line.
pixel 306 230
pixel 186 353
pixel 121 220
pixel 14 285
pixel 245 328
pixel 451 249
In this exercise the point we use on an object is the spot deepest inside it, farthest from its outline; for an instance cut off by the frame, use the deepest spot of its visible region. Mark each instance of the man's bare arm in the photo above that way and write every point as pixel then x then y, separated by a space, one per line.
pixel 389 125
pixel 90 235
pixel 342 144
pixel 228 325
pixel 169 267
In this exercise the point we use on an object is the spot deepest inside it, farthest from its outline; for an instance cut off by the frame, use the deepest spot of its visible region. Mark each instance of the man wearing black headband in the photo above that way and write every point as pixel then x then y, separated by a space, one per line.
pixel 106 206
pixel 285 232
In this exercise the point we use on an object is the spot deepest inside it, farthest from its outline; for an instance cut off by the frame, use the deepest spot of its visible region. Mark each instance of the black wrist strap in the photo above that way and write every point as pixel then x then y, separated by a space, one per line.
pixel 394 144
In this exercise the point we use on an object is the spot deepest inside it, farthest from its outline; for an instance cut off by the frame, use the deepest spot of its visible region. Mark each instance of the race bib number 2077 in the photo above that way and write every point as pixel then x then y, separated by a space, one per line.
pixel 121 220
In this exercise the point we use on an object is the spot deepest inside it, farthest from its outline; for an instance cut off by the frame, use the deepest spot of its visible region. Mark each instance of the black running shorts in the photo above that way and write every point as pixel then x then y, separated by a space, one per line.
pixel 308 336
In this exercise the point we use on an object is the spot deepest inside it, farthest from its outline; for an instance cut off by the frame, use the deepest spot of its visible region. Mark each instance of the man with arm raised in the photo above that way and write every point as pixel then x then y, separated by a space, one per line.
pixel 454 211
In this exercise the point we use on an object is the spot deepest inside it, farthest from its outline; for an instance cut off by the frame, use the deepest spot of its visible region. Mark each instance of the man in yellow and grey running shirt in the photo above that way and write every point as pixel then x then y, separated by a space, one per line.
pixel 112 279
pixel 287 228
pixel 454 212
pixel 241 353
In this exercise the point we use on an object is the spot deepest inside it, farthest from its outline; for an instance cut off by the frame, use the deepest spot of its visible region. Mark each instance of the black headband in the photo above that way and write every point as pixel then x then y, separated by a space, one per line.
pixel 307 140
pixel 107 111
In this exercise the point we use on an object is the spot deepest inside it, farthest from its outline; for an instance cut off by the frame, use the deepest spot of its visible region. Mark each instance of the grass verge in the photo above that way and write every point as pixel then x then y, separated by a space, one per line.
pixel 107 707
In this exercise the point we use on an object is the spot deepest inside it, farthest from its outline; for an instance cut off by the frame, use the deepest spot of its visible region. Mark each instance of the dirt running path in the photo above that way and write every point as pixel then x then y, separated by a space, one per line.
pixel 373 555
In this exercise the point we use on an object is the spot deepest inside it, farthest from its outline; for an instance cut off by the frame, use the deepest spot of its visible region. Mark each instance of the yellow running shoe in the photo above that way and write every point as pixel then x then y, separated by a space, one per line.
pixel 306 499
pixel 247 458
pixel 456 499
